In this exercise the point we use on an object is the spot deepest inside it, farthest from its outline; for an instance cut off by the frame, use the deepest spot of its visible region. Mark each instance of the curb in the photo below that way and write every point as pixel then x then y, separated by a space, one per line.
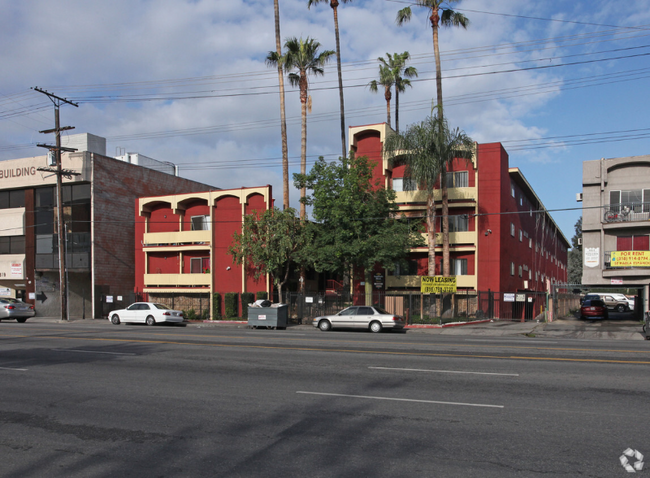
pixel 451 324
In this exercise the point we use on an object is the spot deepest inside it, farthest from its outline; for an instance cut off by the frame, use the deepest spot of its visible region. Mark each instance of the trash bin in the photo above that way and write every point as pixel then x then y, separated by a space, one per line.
pixel 269 317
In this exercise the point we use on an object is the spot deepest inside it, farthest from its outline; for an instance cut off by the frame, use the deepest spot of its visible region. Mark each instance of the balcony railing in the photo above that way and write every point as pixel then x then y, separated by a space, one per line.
pixel 626 212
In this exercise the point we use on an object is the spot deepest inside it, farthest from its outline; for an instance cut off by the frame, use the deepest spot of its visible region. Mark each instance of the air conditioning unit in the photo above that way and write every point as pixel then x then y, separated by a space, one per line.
pixel 579 197
pixel 580 241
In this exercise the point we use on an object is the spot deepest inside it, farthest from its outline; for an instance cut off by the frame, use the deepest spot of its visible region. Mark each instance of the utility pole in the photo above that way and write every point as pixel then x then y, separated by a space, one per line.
pixel 60 172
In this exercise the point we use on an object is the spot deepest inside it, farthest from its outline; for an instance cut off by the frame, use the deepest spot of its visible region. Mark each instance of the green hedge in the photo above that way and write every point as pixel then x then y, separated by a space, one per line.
pixel 216 306
pixel 246 298
pixel 261 295
pixel 232 309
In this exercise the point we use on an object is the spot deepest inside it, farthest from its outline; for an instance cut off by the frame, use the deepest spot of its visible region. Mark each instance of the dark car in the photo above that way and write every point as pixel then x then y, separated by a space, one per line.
pixel 593 309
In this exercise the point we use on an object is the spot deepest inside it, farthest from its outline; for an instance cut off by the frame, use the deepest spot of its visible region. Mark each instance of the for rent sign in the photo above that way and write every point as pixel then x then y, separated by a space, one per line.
pixel 437 284
pixel 630 259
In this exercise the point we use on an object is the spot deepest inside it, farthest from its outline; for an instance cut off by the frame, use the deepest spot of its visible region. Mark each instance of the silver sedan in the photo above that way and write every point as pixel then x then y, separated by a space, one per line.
pixel 374 319
pixel 15 309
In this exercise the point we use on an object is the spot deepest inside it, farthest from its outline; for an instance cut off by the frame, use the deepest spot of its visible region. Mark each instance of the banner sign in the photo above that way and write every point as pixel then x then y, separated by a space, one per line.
pixel 630 259
pixel 437 284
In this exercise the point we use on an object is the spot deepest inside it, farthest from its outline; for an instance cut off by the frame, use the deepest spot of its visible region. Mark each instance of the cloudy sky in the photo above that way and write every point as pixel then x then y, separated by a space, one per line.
pixel 557 82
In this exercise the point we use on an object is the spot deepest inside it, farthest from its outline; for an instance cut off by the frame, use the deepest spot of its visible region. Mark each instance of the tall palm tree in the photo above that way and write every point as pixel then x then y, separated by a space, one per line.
pixel 283 117
pixel 335 5
pixel 387 80
pixel 426 149
pixel 391 74
pixel 402 75
pixel 446 17
pixel 303 57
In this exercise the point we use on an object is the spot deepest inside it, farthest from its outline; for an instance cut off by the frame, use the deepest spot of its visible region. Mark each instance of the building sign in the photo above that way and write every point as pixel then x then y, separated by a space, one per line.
pixel 17 172
pixel 508 297
pixel 520 298
pixel 592 256
pixel 617 281
pixel 437 284
pixel 379 281
pixel 630 259
pixel 17 270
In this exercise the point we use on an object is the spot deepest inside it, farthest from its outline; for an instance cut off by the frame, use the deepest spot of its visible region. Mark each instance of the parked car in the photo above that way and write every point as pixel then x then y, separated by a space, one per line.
pixel 15 309
pixel 617 302
pixel 374 319
pixel 149 313
pixel 593 309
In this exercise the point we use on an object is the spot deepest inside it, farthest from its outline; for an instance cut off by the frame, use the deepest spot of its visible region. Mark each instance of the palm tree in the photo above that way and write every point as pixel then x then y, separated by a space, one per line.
pixel 283 117
pixel 303 56
pixel 390 74
pixel 335 5
pixel 387 80
pixel 426 149
pixel 448 18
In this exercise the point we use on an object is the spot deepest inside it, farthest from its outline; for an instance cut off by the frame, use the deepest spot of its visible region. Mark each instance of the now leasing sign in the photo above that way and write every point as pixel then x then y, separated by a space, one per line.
pixel 437 284
pixel 630 259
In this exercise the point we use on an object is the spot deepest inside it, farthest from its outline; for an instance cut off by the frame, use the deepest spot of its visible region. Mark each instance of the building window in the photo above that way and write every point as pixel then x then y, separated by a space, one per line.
pixel 199 265
pixel 638 200
pixel 200 223
pixel 530 243
pixel 520 272
pixel 530 274
pixel 459 223
pixel 403 184
pixel 512 229
pixel 458 179
pixel 521 200
pixel 12 199
pixel 12 245
pixel 512 189
pixel 408 269
pixel 633 243
pixel 521 236
pixel 512 268
pixel 459 267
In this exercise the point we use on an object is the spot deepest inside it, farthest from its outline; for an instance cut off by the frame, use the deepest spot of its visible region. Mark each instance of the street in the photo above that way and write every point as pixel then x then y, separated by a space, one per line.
pixel 89 399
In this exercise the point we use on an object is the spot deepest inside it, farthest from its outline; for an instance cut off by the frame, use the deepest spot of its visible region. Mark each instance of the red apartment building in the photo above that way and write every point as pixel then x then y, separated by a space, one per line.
pixel 182 245
pixel 501 236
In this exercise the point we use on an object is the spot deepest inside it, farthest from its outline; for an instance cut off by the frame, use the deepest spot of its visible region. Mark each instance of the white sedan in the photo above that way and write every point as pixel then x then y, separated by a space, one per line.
pixel 373 318
pixel 149 313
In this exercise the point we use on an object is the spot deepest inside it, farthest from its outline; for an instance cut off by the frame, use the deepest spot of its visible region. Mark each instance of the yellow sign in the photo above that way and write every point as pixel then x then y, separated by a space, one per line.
pixel 630 259
pixel 437 284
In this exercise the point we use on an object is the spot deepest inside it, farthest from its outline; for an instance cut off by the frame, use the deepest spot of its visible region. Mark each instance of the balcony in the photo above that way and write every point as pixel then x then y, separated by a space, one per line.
pixel 626 212
pixel 467 281
pixel 178 237
pixel 461 237
pixel 177 280
pixel 419 196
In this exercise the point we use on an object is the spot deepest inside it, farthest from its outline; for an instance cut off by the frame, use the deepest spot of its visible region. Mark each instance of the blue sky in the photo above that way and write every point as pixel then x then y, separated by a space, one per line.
pixel 557 82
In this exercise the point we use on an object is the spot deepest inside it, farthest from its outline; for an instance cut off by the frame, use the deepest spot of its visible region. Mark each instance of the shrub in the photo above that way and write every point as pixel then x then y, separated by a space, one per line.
pixel 190 314
pixel 232 309
pixel 246 298
pixel 216 306
pixel 205 315
pixel 261 295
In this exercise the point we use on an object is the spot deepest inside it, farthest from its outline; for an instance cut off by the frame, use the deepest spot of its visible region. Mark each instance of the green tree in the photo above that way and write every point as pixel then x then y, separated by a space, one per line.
pixel 574 265
pixel 270 243
pixel 302 56
pixel 283 117
pixel 355 219
pixel 446 17
pixel 393 73
pixel 335 9
pixel 426 149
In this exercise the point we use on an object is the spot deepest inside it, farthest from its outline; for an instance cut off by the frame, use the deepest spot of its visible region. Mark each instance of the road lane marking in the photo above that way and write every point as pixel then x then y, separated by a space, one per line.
pixel 92 352
pixel 445 371
pixel 436 402
pixel 375 352
pixel 14 369
pixel 512 340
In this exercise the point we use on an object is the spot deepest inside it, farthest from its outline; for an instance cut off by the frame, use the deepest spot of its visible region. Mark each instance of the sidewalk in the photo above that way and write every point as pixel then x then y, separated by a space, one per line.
pixel 568 328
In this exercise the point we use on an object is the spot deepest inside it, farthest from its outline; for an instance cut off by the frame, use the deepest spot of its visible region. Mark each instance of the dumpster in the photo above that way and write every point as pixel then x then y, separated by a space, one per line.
pixel 269 317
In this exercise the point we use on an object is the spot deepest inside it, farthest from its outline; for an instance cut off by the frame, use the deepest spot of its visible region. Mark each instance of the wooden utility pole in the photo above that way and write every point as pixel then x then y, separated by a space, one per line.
pixel 60 172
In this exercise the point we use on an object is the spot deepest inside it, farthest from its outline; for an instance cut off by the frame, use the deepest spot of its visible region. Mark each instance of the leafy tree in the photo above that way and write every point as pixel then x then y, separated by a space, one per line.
pixel 283 117
pixel 270 243
pixel 303 56
pixel 426 149
pixel 574 265
pixel 335 9
pixel 393 73
pixel 355 219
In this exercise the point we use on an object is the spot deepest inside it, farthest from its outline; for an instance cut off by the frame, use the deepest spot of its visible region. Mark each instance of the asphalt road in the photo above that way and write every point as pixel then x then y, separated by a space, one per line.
pixel 89 399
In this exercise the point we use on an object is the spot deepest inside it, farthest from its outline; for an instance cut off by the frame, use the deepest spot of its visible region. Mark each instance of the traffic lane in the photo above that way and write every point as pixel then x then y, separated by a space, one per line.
pixel 352 342
pixel 248 412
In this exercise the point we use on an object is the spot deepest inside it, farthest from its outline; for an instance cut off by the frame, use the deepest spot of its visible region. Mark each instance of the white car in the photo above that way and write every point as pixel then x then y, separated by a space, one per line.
pixel 374 319
pixel 149 313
